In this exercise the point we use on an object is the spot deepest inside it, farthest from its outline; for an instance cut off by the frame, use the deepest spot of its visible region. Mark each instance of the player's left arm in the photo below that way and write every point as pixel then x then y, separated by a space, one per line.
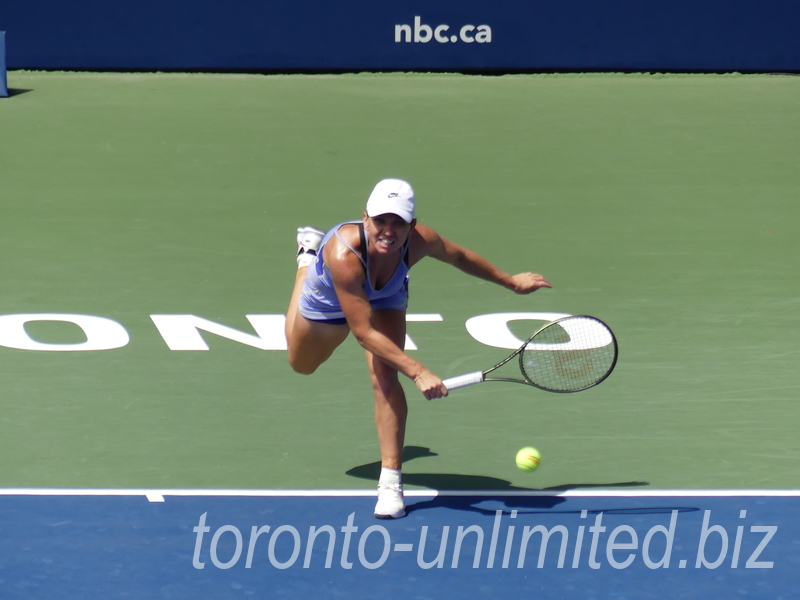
pixel 426 242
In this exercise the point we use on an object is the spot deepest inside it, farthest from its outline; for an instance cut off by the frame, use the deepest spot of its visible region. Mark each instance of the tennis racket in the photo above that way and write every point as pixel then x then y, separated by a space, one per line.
pixel 568 355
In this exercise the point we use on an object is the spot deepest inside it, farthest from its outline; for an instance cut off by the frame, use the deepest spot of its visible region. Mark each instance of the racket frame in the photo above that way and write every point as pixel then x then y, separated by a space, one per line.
pixel 519 354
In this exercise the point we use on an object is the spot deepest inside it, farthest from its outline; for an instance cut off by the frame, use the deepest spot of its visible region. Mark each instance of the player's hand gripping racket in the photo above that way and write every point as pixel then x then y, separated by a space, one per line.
pixel 568 355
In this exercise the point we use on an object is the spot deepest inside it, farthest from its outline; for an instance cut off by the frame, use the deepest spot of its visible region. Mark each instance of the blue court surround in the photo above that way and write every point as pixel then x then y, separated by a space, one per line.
pixel 197 544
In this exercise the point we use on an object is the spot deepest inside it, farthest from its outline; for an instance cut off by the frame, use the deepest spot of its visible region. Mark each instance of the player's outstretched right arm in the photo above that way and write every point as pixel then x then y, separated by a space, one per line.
pixel 348 279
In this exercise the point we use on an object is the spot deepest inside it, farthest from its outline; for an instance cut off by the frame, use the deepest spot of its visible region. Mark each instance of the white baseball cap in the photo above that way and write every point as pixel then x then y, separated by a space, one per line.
pixel 393 196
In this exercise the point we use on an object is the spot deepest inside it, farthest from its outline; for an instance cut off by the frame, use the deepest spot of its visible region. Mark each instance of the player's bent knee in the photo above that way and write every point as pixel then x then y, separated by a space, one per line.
pixel 313 344
pixel 302 365
pixel 303 369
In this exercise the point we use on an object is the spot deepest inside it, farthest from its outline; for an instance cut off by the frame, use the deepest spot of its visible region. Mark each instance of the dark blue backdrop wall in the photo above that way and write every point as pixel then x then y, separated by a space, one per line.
pixel 317 35
pixel 3 84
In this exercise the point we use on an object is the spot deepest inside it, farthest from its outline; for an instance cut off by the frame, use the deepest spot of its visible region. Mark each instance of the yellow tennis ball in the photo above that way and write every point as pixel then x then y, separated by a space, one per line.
pixel 528 459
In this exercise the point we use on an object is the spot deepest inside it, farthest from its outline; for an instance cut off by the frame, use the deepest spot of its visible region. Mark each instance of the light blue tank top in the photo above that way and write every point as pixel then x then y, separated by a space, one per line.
pixel 319 301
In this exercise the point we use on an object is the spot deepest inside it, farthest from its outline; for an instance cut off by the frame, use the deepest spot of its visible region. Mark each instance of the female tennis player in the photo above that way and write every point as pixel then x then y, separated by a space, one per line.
pixel 355 279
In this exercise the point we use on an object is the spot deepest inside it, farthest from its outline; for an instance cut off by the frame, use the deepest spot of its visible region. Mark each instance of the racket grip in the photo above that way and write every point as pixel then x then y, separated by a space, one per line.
pixel 463 380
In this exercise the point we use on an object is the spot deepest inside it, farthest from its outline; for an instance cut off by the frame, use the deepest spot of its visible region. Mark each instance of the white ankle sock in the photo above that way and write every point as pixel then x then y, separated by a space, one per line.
pixel 305 259
pixel 390 476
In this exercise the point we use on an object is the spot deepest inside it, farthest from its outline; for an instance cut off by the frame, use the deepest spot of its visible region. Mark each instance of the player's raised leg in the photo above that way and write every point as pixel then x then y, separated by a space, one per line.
pixel 312 343
pixel 309 343
pixel 391 412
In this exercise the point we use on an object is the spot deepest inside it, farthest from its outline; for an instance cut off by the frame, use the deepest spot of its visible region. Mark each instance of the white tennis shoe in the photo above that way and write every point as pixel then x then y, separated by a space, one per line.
pixel 391 504
pixel 308 241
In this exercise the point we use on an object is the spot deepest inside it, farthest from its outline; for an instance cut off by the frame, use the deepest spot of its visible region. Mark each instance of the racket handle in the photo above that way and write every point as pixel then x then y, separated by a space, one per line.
pixel 463 380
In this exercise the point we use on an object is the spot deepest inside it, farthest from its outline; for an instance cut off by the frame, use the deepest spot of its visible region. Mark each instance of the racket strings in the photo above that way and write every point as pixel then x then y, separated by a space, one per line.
pixel 570 355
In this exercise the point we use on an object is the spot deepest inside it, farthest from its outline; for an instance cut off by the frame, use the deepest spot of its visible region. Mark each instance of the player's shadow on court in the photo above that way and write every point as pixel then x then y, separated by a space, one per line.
pixel 461 482
pixel 17 91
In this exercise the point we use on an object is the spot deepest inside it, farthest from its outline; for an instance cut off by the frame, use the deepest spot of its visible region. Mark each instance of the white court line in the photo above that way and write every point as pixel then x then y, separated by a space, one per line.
pixel 160 495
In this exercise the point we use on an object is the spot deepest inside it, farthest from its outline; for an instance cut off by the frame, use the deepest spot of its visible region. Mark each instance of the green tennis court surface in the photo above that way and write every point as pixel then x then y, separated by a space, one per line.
pixel 665 205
